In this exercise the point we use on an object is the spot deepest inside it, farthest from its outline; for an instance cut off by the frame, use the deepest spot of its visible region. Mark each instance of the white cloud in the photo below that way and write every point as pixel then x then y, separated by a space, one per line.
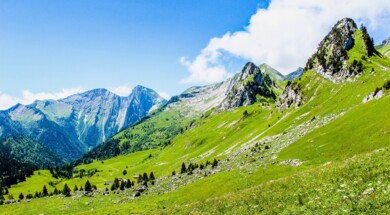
pixel 6 101
pixel 164 95
pixel 122 90
pixel 29 97
pixel 284 35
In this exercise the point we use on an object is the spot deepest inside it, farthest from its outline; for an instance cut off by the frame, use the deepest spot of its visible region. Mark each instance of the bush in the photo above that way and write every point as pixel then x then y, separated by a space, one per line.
pixel 386 85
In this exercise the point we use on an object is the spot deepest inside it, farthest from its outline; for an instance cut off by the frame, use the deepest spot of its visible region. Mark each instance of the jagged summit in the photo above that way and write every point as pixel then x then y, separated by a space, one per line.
pixel 330 58
pixel 248 87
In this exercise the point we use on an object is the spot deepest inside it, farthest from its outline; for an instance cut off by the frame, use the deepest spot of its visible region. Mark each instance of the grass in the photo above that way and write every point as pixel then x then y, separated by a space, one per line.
pixel 257 183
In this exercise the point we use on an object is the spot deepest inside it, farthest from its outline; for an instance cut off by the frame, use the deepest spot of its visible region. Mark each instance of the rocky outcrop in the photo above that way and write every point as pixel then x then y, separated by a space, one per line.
pixel 248 87
pixel 330 60
pixel 291 96
pixel 377 94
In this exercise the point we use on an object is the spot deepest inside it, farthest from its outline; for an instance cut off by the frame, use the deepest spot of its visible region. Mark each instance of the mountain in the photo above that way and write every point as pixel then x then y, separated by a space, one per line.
pixel 332 60
pixel 72 126
pixel 294 75
pixel 386 42
pixel 184 111
pixel 384 48
pixel 250 86
pixel 273 73
pixel 320 147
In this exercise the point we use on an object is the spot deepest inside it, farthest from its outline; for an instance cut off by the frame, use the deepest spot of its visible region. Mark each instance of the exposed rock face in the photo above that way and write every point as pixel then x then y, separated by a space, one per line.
pixel 71 126
pixel 249 86
pixel 294 75
pixel 374 95
pixel 291 96
pixel 330 60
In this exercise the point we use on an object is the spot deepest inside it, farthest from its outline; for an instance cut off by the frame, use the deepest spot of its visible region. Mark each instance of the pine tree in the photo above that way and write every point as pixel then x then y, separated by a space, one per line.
pixel 81 188
pixel 36 195
pixel 122 187
pixel 88 186
pixel 128 184
pixel 183 168
pixel 152 178
pixel 66 191
pixel 44 191
pixel 75 188
pixel 145 177
pixel 173 172
pixel 215 163
pixel 113 187
pixel 116 183
pixel 139 178
pixel 124 172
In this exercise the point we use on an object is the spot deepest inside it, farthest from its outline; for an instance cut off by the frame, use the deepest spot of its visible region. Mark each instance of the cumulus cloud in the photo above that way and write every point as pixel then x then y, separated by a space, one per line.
pixel 284 35
pixel 164 95
pixel 28 97
pixel 122 90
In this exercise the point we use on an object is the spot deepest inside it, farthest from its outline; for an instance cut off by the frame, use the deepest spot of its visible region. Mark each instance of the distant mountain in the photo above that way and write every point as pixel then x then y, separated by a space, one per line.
pixel 273 73
pixel 181 112
pixel 72 126
pixel 294 75
pixel 386 42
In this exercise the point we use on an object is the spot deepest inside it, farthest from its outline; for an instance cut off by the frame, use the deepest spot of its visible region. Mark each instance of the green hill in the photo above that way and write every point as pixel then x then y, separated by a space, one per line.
pixel 327 154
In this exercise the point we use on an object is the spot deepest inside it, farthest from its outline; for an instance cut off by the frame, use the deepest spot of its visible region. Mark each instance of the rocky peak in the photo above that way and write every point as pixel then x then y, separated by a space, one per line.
pixel 248 87
pixel 291 96
pixel 331 57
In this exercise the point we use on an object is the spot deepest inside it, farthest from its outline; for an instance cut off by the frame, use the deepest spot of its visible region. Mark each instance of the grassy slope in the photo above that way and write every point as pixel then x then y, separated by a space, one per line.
pixel 361 130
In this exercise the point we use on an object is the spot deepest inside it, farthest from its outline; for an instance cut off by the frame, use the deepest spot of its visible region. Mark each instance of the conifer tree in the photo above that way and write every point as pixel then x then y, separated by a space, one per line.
pixel 44 191
pixel 151 176
pixel 75 188
pixel 66 191
pixel 145 177
pixel 128 184
pixel 88 186
pixel 122 187
pixel 183 168
pixel 21 196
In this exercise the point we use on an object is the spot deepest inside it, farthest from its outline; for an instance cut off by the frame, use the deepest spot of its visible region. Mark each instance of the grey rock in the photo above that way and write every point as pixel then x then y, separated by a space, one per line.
pixel 291 96
pixel 247 86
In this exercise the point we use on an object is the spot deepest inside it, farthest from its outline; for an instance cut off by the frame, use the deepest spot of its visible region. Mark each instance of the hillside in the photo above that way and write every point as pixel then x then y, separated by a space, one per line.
pixel 320 145
pixel 29 151
pixel 72 126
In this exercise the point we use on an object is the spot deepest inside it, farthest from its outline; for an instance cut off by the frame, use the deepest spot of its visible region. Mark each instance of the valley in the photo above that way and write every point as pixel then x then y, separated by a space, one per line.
pixel 257 143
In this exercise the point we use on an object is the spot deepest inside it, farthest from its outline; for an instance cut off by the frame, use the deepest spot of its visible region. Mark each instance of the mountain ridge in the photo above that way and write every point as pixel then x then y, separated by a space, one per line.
pixel 82 120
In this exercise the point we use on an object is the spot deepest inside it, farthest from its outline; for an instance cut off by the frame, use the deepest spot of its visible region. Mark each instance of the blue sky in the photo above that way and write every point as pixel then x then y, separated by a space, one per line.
pixel 47 46
pixel 52 48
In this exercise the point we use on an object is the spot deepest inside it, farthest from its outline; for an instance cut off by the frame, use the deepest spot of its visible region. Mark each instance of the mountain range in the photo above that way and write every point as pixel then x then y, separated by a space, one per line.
pixel 72 126
pixel 314 141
